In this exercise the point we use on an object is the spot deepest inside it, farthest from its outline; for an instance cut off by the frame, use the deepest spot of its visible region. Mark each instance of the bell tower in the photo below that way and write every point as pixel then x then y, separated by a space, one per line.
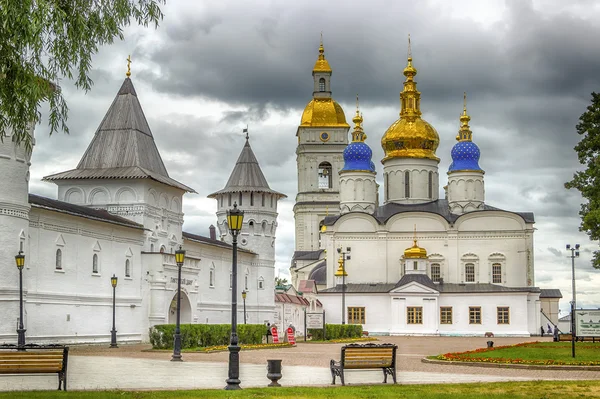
pixel 322 138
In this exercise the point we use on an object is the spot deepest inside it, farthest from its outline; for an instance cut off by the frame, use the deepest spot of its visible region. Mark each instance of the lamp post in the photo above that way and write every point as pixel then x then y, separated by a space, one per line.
pixel 179 258
pixel 342 271
pixel 235 218
pixel 113 332
pixel 244 293
pixel 20 260
pixel 574 254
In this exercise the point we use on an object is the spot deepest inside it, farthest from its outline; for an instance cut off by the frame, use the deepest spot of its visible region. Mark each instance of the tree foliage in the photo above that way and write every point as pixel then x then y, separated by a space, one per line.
pixel 42 41
pixel 588 181
pixel 280 281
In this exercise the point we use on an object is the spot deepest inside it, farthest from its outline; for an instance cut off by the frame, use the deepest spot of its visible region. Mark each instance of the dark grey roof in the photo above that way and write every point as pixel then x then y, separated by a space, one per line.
pixel 360 288
pixel 319 273
pixel 247 175
pixel 123 146
pixel 443 288
pixel 422 279
pixel 550 293
pixel 307 255
pixel 81 211
pixel 438 207
pixel 207 240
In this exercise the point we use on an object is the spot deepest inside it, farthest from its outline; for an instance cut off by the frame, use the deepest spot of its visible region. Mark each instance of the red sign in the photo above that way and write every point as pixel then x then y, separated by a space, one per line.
pixel 291 338
pixel 274 334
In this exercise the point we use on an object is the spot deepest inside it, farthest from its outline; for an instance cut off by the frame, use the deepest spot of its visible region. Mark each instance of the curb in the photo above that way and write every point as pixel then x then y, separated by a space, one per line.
pixel 512 366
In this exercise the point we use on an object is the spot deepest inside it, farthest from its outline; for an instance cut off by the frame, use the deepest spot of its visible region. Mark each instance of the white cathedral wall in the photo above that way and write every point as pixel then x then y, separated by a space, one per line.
pixel 74 304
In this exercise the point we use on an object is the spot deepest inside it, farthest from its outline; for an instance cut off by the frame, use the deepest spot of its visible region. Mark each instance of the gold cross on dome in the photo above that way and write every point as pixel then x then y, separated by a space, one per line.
pixel 128 74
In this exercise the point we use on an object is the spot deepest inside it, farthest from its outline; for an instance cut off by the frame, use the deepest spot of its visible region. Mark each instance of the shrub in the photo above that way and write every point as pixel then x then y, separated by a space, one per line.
pixel 200 335
pixel 337 331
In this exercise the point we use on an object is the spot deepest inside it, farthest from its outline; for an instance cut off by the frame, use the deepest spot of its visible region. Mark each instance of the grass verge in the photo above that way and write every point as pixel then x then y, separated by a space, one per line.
pixel 504 390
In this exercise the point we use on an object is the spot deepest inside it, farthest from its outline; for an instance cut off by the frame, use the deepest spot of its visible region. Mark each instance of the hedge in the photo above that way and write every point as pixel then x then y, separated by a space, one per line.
pixel 200 335
pixel 337 331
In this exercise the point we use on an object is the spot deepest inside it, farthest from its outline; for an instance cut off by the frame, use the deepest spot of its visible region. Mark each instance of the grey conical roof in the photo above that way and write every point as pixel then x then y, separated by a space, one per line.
pixel 123 146
pixel 247 175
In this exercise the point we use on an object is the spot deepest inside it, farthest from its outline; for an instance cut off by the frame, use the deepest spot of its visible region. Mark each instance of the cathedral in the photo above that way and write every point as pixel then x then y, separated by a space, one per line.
pixel 119 213
pixel 409 263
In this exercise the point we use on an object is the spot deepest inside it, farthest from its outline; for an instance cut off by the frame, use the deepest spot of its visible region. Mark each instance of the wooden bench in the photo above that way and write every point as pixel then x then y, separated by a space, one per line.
pixel 364 357
pixel 35 359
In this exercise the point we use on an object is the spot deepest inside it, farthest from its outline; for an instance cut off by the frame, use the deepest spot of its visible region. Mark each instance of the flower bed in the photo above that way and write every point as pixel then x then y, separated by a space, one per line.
pixel 223 348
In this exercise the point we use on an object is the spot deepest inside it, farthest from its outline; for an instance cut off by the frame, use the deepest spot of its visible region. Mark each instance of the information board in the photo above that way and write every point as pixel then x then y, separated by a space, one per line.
pixel 274 334
pixel 291 337
pixel 314 320
pixel 587 323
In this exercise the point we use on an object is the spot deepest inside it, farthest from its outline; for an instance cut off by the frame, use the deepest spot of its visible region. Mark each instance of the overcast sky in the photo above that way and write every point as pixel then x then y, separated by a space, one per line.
pixel 212 68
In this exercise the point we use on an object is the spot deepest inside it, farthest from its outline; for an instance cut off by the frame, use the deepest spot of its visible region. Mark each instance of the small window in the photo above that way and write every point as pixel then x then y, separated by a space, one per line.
pixel 246 283
pixel 415 265
pixel 435 272
pixel 229 200
pixel 95 263
pixel 356 315
pixel 470 273
pixel 162 249
pixel 446 315
pixel 211 278
pixel 502 314
pixel 414 315
pixel 407 184
pixel 474 314
pixel 430 186
pixel 58 259
pixel 496 273
pixel 325 179
pixel 151 247
pixel 322 84
pixel 127 268
pixel 222 197
pixel 251 226
pixel 241 199
pixel 261 283
pixel 271 200
pixel 263 199
pixel 251 199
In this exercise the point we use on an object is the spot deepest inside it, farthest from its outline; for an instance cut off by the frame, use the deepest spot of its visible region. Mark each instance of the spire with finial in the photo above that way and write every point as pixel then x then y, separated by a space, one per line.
pixel 415 252
pixel 410 98
pixel 246 131
pixel 464 133
pixel 358 135
pixel 322 65
pixel 128 74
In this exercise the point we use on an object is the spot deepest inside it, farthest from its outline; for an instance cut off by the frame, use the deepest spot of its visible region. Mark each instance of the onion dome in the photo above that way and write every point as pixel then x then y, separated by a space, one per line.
pixel 357 155
pixel 415 252
pixel 410 136
pixel 321 65
pixel 341 271
pixel 465 154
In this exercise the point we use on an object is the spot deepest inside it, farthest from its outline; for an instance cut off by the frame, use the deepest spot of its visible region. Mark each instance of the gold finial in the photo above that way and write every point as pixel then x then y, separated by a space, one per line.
pixel 128 74
pixel 321 48
pixel 357 103
pixel 464 132
pixel 358 134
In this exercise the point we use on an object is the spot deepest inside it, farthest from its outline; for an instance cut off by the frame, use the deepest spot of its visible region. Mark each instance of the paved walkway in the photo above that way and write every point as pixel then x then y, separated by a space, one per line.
pixel 127 367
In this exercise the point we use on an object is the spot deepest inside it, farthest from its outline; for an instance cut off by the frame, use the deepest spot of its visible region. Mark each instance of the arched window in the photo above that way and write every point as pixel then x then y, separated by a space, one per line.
pixel 435 272
pixel 222 196
pixel 263 199
pixel 246 283
pixel 95 263
pixel 469 272
pixel 496 273
pixel 251 199
pixel 325 179
pixel 251 226
pixel 162 249
pixel 430 187
pixel 211 278
pixel 407 184
pixel 261 283
pixel 151 247
pixel 229 202
pixel 322 84
pixel 58 259
pixel 271 200
pixel 127 268
pixel 385 186
pixel 241 199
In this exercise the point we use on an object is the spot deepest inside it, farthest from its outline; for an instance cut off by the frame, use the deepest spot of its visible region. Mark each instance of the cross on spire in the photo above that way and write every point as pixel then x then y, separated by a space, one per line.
pixel 409 49
pixel 128 74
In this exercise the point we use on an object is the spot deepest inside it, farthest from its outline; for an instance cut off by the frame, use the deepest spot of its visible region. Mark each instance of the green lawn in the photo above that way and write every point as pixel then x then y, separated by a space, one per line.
pixel 558 353
pixel 507 390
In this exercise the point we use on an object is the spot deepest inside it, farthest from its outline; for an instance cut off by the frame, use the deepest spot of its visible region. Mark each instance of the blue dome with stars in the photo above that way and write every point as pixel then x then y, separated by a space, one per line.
pixel 357 156
pixel 465 156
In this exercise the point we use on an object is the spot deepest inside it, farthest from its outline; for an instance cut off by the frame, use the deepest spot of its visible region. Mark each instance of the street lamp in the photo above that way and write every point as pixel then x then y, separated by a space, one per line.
pixel 20 260
pixel 574 254
pixel 113 332
pixel 244 293
pixel 235 218
pixel 179 258
pixel 341 272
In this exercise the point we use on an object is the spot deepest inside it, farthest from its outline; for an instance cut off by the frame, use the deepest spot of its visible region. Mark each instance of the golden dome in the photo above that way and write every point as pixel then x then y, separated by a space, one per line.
pixel 410 136
pixel 415 252
pixel 322 65
pixel 323 112
pixel 341 271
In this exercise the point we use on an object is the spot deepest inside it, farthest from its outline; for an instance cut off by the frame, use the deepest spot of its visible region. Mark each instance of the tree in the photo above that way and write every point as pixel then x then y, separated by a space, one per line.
pixel 42 41
pixel 280 281
pixel 588 181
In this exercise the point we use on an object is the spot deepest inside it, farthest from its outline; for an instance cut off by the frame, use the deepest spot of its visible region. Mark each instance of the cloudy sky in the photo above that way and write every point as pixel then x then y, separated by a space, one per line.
pixel 528 68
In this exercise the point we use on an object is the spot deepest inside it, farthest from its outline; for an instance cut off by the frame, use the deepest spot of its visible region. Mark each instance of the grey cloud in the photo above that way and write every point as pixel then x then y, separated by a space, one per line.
pixel 554 251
